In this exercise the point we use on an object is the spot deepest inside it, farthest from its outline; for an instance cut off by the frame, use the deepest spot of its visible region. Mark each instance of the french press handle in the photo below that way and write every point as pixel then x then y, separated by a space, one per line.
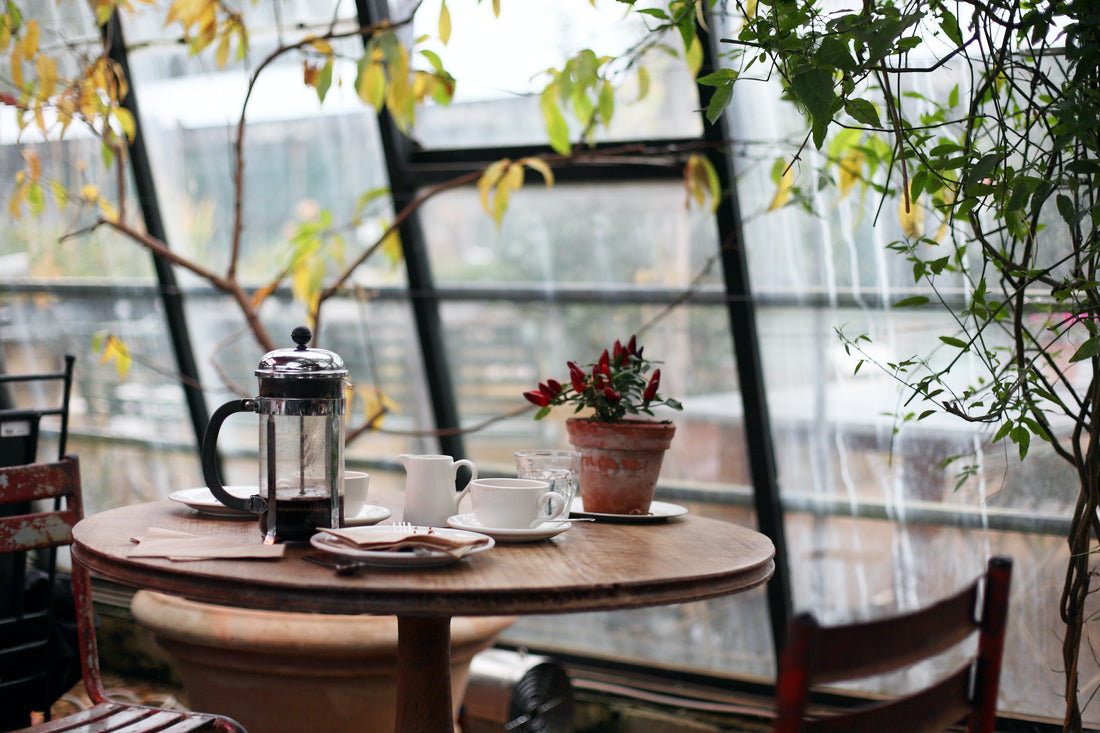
pixel 255 503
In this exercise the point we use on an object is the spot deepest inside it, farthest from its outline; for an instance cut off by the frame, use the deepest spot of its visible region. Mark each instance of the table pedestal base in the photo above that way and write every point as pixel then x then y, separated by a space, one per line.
pixel 424 675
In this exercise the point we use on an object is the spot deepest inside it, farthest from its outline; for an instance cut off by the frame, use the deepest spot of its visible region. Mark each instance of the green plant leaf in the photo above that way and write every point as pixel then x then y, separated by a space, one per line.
pixel 957 343
pixel 556 126
pixel 814 90
pixel 1087 350
pixel 863 111
pixel 324 80
pixel 912 301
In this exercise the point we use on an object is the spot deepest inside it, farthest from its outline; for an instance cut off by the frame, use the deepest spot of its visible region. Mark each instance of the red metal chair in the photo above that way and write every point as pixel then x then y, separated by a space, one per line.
pixel 817 655
pixel 53 528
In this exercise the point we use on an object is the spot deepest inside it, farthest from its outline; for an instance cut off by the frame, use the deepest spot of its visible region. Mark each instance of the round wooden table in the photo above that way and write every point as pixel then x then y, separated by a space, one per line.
pixel 592 567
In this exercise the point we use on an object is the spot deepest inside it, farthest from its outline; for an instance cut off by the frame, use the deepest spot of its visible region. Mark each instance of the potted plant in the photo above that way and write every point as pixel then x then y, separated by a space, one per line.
pixel 621 449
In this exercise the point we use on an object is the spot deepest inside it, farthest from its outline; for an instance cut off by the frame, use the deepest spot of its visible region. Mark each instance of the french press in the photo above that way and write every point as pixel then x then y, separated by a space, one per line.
pixel 301 409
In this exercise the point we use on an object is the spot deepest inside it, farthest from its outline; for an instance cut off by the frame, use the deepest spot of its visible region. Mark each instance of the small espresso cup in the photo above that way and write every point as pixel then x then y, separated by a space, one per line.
pixel 355 492
pixel 514 503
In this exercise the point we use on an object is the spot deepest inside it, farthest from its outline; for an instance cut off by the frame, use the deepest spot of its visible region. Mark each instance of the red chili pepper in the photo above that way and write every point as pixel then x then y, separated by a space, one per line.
pixel 611 395
pixel 632 345
pixel 618 354
pixel 577 376
pixel 535 397
pixel 651 388
pixel 9 100
pixel 603 365
pixel 548 389
pixel 598 379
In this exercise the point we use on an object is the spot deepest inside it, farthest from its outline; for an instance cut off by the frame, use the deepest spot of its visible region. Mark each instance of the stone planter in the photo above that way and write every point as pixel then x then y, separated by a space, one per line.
pixel 620 462
pixel 296 672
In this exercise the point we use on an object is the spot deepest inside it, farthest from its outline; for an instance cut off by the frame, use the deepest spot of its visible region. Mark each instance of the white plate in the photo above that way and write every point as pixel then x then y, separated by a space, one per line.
pixel 418 558
pixel 659 511
pixel 201 500
pixel 502 534
pixel 369 514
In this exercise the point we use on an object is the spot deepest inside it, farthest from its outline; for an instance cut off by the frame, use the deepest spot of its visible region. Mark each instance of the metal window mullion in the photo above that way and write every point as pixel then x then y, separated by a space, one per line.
pixel 170 294
pixel 746 344
pixel 422 293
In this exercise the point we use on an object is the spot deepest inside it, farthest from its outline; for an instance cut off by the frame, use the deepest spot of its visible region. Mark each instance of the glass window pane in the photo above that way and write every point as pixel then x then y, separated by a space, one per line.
pixel 876 522
pixel 628 236
pixel 499 66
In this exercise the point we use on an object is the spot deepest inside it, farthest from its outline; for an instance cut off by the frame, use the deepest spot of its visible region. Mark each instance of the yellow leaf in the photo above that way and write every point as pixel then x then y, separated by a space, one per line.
pixel 371 85
pixel 694 56
pixel 39 118
pixel 46 67
pixel 750 12
pixel 321 46
pixel 783 191
pixel 261 294
pixel 89 192
pixel 306 278
pixel 496 8
pixel 187 12
pixel 851 170
pixel 16 199
pixel 30 40
pixel 488 181
pixel 702 182
pixel 444 23
pixel 34 163
pixel 106 210
pixel 115 350
pixel 912 220
pixel 221 56
pixel 60 195
pixel 376 405
pixel 643 83
pixel 500 204
pixel 540 165
pixel 17 65
pixel 391 247
pixel 126 122
pixel 513 177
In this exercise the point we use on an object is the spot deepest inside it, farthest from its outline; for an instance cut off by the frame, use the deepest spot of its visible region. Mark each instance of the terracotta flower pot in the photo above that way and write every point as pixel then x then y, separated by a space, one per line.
pixel 291 672
pixel 620 462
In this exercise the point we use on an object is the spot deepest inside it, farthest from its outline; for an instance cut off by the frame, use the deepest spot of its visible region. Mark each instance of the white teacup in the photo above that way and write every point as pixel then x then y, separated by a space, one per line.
pixel 514 503
pixel 355 492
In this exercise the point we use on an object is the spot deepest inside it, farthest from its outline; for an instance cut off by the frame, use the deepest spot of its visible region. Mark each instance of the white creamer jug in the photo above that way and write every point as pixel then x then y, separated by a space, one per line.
pixel 430 495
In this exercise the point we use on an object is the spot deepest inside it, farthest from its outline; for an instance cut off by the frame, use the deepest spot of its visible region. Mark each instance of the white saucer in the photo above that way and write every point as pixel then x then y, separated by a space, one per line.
pixel 419 558
pixel 503 534
pixel 368 515
pixel 659 511
pixel 202 501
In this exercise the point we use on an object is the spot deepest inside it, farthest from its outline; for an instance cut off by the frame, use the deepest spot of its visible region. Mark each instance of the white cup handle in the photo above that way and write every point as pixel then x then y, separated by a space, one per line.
pixel 546 504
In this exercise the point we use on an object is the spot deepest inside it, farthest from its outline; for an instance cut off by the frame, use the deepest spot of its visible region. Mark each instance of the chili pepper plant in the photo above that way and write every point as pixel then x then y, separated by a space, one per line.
pixel 617 385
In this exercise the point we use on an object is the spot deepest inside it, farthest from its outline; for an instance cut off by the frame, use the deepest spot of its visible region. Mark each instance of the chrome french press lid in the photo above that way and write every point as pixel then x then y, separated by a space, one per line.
pixel 301 362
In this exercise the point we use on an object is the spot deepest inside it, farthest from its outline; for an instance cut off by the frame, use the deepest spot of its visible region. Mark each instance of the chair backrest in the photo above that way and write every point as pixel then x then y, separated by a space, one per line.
pixel 25 627
pixel 817 655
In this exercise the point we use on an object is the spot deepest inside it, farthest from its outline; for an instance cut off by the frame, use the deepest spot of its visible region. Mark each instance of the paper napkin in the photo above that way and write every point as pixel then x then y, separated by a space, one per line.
pixel 174 545
pixel 383 540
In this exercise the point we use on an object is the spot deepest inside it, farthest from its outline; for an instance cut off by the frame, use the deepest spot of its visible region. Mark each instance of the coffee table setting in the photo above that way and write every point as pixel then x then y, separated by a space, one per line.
pixel 439 526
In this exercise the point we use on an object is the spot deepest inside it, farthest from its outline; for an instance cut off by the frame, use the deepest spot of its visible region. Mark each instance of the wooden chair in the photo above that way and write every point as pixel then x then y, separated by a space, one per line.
pixel 53 528
pixel 816 655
